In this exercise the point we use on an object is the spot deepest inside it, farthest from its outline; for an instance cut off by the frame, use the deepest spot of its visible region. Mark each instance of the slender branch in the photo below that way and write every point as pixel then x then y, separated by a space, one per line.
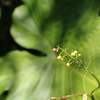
pixel 94 78
pixel 78 61
pixel 68 96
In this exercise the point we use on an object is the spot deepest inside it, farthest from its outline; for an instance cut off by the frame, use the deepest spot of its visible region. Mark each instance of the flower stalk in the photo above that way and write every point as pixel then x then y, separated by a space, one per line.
pixel 69 96
pixel 74 58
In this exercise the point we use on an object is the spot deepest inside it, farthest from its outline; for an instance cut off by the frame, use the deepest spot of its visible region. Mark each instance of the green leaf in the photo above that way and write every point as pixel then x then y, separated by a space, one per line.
pixel 41 25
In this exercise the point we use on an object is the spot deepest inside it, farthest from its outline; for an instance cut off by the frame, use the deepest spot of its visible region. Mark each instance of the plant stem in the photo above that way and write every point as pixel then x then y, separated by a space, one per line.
pixel 68 96
pixel 87 70
pixel 94 78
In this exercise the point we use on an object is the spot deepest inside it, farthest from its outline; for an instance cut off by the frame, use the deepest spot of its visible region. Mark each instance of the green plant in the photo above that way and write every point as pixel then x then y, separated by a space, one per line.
pixel 74 58
pixel 40 25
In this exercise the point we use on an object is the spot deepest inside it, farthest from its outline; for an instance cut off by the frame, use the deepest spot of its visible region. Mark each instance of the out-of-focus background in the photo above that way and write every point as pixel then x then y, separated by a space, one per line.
pixel 29 29
pixel 6 41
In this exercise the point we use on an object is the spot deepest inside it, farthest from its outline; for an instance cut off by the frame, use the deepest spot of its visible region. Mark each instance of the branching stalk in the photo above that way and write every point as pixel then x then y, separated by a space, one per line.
pixel 74 55
pixel 94 78
pixel 68 96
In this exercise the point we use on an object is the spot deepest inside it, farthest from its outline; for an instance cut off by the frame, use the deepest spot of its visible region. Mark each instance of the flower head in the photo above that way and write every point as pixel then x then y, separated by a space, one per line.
pixel 79 54
pixel 59 58
pixel 68 64
pixel 73 54
pixel 54 50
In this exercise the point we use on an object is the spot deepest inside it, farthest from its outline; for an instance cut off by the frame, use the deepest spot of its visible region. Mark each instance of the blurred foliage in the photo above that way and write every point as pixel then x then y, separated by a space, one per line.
pixel 38 26
pixel 6 41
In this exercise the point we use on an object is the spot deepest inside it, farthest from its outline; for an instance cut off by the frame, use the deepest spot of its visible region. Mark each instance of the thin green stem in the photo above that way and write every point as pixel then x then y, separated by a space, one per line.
pixel 94 78
pixel 65 52
pixel 86 69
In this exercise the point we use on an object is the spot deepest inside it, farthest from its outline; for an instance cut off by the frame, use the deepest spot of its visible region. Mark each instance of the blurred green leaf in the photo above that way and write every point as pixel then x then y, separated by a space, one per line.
pixel 40 25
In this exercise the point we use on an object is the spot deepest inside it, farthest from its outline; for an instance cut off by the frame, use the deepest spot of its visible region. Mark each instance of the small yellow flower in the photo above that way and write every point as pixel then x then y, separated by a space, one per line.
pixel 68 64
pixel 73 54
pixel 59 58
pixel 62 59
pixel 79 54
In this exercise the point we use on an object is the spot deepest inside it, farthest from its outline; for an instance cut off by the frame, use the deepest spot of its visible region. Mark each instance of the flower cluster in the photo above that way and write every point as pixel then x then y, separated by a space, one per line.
pixel 73 55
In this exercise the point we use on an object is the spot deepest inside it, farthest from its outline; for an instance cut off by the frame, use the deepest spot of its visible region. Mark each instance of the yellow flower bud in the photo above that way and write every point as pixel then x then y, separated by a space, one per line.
pixel 79 54
pixel 62 59
pixel 73 54
pixel 68 64
pixel 59 58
